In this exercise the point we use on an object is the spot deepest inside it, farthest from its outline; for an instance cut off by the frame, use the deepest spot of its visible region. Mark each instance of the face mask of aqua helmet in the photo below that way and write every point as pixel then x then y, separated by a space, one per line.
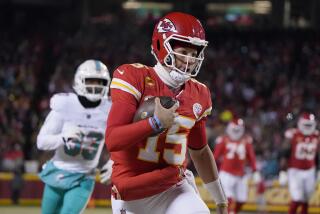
pixel 92 80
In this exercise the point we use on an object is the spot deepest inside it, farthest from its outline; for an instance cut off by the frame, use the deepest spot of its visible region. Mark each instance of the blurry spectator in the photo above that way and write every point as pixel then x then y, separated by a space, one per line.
pixel 13 158
pixel 270 165
pixel 16 186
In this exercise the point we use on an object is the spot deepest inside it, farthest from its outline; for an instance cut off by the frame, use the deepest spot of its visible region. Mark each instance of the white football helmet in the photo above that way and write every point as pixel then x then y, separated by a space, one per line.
pixel 307 123
pixel 94 70
pixel 235 129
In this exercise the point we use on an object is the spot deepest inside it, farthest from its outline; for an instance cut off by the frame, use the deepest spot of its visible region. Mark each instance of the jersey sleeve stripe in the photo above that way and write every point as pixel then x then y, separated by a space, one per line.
pixel 205 113
pixel 125 86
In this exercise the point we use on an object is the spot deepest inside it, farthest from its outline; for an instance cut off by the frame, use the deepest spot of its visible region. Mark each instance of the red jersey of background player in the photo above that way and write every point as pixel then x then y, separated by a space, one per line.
pixel 303 148
pixel 235 149
pixel 131 85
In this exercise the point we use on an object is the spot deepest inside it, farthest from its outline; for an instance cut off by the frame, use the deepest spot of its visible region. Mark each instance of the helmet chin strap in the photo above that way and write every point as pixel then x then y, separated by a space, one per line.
pixel 171 78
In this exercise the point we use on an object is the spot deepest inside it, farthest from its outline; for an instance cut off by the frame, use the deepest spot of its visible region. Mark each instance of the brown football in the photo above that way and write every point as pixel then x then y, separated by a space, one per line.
pixel 146 108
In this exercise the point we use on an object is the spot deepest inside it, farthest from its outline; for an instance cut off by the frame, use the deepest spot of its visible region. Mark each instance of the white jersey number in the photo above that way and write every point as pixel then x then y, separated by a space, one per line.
pixel 150 154
pixel 88 148
pixel 235 148
pixel 306 151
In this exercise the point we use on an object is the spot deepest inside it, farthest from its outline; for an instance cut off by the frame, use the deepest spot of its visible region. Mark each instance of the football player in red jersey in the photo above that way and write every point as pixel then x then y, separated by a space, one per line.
pixel 233 150
pixel 299 156
pixel 148 171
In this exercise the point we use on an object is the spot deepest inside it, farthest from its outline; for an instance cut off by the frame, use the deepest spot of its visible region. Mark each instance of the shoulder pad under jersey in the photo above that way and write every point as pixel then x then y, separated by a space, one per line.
pixel 199 84
pixel 62 101
pixel 203 92
pixel 130 78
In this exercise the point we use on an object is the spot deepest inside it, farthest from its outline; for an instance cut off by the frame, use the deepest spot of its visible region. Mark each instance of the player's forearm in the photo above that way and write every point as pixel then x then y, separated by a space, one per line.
pixel 207 169
pixel 252 159
pixel 121 133
pixel 205 164
pixel 49 137
pixel 49 142
pixel 122 137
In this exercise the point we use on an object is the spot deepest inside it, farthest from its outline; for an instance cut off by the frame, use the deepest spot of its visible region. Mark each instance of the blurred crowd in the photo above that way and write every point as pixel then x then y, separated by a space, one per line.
pixel 265 77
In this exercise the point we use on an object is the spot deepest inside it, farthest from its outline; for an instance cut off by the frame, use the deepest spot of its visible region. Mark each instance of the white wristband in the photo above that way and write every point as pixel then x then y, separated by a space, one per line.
pixel 217 192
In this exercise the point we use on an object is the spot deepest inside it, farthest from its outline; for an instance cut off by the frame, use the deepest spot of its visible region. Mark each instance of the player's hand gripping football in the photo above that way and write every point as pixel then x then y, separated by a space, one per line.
pixel 166 116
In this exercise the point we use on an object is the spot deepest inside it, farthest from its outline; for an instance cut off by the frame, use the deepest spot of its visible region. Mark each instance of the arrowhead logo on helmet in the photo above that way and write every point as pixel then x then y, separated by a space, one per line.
pixel 166 25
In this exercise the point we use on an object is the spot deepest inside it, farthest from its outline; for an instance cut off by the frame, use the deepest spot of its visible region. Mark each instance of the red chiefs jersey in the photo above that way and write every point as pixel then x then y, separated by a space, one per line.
pixel 167 149
pixel 303 149
pixel 234 155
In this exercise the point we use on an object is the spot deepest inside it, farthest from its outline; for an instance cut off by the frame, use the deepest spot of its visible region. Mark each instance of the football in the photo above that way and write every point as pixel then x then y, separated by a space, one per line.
pixel 146 108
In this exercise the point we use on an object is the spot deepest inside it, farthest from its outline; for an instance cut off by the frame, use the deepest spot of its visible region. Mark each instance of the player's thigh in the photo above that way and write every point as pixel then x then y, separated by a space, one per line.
pixel 154 204
pixel 295 183
pixel 76 199
pixel 52 200
pixel 228 182
pixel 177 199
pixel 309 183
pixel 241 189
pixel 183 199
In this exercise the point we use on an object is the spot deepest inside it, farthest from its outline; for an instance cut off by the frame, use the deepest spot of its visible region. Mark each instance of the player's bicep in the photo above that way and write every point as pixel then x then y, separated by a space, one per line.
pixel 49 136
pixel 251 155
pixel 118 95
pixel 218 147
pixel 121 113
pixel 197 138
pixel 53 124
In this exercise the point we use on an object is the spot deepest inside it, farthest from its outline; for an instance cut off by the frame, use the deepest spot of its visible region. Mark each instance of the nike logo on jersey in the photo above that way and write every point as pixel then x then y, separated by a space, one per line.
pixel 120 72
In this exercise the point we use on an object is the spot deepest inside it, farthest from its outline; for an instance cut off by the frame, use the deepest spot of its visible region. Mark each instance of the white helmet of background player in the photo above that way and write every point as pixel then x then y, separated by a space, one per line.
pixel 92 69
pixel 307 123
pixel 235 129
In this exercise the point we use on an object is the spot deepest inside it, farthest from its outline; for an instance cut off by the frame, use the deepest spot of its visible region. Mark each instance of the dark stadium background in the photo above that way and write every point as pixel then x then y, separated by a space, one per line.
pixel 262 64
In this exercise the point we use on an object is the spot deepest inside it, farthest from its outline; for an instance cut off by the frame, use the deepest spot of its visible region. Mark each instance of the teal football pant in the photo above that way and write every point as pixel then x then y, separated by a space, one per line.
pixel 70 201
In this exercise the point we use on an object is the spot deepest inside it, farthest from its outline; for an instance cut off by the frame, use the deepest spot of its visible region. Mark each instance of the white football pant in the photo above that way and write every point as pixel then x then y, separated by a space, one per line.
pixel 180 198
pixel 235 187
pixel 302 183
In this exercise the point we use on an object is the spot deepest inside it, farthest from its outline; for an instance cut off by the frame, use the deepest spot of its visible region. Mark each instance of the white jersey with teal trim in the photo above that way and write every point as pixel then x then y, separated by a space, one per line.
pixel 68 113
